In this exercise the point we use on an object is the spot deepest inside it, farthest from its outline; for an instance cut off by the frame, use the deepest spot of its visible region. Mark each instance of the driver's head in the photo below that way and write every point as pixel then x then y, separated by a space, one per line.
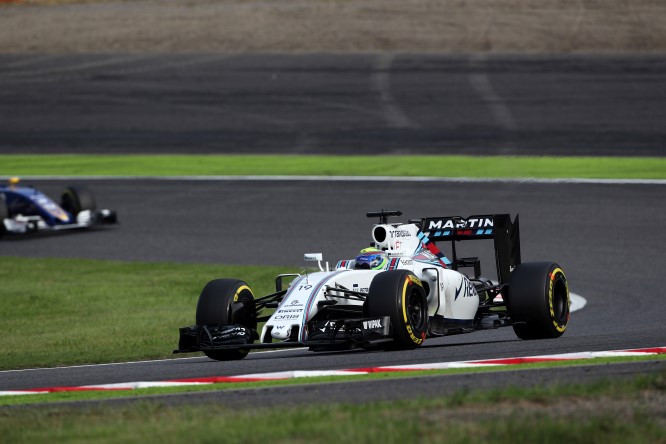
pixel 371 259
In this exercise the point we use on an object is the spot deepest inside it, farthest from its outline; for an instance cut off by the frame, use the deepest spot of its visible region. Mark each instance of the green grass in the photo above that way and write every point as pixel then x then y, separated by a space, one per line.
pixel 604 412
pixel 432 166
pixel 65 312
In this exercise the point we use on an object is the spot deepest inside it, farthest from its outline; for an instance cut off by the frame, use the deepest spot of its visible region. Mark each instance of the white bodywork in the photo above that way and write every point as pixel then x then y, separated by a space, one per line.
pixel 450 294
pixel 24 224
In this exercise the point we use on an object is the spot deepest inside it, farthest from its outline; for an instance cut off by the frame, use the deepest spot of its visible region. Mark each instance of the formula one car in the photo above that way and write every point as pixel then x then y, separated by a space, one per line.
pixel 395 295
pixel 26 209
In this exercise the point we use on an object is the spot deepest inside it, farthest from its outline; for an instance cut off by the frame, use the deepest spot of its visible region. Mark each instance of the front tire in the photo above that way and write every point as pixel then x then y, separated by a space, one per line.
pixel 214 308
pixel 538 302
pixel 400 295
pixel 77 199
pixel 4 214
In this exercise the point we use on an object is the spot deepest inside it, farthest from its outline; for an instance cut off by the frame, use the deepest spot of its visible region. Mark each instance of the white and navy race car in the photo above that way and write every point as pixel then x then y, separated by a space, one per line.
pixel 396 294
pixel 24 209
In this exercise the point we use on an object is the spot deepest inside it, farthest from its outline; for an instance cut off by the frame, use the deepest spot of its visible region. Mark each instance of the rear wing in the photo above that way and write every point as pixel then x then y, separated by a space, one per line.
pixel 506 236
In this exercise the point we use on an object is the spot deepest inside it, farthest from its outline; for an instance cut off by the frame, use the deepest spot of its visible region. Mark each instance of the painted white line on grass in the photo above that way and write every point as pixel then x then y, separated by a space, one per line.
pixel 282 178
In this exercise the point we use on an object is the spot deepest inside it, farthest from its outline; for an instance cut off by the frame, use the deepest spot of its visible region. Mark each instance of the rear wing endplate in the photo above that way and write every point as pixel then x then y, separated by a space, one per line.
pixel 506 236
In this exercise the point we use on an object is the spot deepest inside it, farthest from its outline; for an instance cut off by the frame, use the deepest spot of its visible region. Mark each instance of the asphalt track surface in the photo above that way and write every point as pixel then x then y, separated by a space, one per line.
pixel 340 103
pixel 607 238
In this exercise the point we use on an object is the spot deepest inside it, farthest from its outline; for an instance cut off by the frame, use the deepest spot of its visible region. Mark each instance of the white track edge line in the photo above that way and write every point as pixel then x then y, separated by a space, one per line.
pixel 106 364
pixel 278 178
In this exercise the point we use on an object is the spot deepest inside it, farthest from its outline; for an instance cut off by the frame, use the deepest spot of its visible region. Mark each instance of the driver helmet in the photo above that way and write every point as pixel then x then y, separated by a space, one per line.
pixel 371 259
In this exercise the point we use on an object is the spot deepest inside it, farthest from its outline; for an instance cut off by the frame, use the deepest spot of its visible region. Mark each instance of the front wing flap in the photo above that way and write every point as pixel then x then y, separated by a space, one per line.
pixel 209 337
pixel 348 333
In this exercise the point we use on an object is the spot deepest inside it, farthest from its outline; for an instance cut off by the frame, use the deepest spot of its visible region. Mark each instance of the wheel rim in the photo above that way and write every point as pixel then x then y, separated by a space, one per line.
pixel 247 319
pixel 415 311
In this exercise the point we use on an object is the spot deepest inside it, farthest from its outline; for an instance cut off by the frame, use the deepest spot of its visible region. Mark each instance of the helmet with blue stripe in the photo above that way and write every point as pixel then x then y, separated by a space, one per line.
pixel 371 259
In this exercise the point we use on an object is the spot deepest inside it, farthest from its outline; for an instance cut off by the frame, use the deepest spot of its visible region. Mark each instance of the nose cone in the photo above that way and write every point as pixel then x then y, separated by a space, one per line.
pixel 281 332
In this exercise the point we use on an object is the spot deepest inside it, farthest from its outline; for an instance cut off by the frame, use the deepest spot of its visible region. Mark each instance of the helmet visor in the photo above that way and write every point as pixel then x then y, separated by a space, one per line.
pixel 370 261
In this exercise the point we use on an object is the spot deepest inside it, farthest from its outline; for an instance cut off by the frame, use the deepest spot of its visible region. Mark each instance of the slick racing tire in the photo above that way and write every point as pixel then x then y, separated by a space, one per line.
pixel 538 301
pixel 214 308
pixel 77 199
pixel 4 214
pixel 400 295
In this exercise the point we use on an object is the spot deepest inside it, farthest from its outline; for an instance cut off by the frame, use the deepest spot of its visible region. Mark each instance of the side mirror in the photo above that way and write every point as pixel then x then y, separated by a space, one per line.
pixel 315 257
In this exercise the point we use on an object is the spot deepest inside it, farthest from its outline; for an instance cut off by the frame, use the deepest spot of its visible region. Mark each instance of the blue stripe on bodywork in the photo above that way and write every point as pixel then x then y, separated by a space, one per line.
pixel 311 299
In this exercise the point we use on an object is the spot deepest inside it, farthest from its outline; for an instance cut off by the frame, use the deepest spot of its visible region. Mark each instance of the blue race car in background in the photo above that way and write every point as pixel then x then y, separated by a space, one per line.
pixel 24 209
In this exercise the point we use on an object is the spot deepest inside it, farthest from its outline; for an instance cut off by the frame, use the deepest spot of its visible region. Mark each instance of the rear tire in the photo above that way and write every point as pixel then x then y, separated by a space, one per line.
pixel 214 308
pixel 77 199
pixel 400 295
pixel 538 301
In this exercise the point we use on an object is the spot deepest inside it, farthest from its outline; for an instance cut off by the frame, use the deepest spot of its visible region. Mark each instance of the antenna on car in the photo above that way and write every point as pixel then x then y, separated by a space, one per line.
pixel 384 215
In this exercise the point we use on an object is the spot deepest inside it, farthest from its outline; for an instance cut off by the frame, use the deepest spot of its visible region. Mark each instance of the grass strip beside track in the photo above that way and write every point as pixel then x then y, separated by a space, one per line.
pixel 68 311
pixel 609 412
pixel 294 165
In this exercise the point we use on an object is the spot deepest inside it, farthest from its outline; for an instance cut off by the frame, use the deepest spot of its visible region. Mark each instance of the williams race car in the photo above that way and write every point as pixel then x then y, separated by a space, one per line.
pixel 26 209
pixel 395 295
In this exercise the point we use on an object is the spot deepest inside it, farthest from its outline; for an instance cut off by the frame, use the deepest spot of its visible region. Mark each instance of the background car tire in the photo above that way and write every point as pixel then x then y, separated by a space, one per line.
pixel 214 308
pixel 538 301
pixel 400 295
pixel 77 199
pixel 4 214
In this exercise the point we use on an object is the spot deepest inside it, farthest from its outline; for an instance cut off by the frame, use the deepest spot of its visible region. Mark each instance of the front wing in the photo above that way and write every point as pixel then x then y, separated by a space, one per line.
pixel 86 219
pixel 340 334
